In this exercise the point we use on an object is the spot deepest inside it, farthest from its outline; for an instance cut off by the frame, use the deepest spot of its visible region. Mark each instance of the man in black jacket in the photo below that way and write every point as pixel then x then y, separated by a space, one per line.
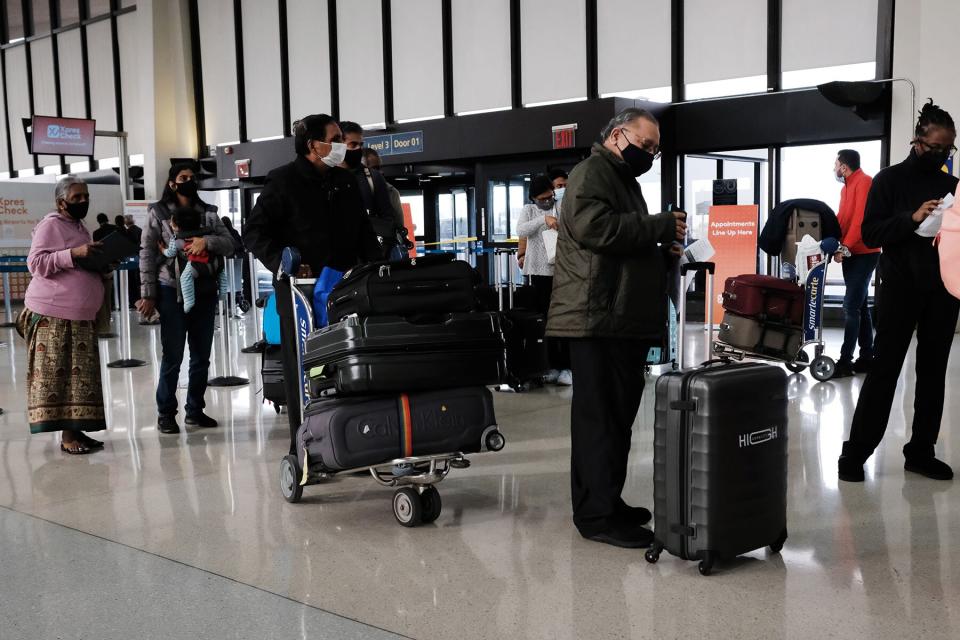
pixel 911 297
pixel 314 206
pixel 385 218
pixel 104 229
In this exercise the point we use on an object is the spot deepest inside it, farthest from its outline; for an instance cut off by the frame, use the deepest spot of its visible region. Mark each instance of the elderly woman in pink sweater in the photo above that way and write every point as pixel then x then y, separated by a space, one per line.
pixel 58 323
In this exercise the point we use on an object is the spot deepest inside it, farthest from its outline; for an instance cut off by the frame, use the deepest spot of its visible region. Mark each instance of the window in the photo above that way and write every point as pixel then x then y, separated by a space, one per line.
pixel 14 20
pixel 98 8
pixel 652 188
pixel 807 172
pixel 648 81
pixel 41 17
pixel 725 47
pixel 69 12
pixel 848 31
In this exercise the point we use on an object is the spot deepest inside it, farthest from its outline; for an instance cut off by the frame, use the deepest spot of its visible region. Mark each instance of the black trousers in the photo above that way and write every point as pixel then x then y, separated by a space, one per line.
pixel 608 377
pixel 900 311
pixel 288 352
pixel 558 351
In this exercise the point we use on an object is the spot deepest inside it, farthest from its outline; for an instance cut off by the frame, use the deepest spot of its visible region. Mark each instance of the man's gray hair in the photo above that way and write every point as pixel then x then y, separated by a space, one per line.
pixel 624 118
pixel 63 187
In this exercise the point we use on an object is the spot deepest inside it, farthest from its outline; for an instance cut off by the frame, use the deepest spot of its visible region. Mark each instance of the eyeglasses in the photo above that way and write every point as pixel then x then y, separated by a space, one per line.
pixel 935 148
pixel 645 144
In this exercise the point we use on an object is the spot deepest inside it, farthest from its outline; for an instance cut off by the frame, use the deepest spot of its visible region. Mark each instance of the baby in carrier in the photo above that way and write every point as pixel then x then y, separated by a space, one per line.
pixel 195 273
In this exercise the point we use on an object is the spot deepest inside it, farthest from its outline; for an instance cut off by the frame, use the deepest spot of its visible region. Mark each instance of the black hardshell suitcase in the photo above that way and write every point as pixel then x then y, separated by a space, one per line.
pixel 350 432
pixel 413 286
pixel 719 454
pixel 392 354
pixel 271 373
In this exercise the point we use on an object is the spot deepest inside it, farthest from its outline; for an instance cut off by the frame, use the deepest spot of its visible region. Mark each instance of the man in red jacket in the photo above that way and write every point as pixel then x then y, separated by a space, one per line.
pixel 858 268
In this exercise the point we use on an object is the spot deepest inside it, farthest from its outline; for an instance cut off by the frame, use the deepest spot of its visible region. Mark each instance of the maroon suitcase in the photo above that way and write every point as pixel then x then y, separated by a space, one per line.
pixel 764 298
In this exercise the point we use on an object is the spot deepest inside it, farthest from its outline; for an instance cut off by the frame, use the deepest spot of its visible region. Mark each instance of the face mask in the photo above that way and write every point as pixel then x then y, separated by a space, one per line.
pixel 639 160
pixel 558 193
pixel 187 189
pixel 545 205
pixel 353 158
pixel 77 210
pixel 933 161
pixel 840 178
pixel 338 152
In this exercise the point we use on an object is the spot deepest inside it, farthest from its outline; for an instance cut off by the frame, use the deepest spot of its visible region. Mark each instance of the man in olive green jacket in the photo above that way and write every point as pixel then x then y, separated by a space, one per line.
pixel 610 301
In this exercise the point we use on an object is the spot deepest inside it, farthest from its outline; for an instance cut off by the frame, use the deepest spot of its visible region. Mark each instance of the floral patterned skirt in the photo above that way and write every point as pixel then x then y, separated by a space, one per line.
pixel 63 374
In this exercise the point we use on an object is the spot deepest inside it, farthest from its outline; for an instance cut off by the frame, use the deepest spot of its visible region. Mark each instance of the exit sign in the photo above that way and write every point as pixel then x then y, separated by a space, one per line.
pixel 565 136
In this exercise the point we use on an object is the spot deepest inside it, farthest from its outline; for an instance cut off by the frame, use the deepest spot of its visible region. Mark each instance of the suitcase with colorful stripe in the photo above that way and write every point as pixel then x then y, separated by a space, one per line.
pixel 342 433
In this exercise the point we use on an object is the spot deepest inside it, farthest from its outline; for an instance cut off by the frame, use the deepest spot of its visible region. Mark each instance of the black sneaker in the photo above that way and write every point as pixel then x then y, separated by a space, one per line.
pixel 843 370
pixel 929 467
pixel 168 424
pixel 200 420
pixel 635 515
pixel 863 365
pixel 625 536
pixel 849 470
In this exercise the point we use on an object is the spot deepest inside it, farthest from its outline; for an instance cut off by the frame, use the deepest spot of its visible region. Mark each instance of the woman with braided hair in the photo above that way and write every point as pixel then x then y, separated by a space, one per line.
pixel 911 297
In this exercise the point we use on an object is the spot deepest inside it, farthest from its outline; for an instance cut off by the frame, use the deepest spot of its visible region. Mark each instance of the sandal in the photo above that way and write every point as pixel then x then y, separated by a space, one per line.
pixel 90 442
pixel 81 449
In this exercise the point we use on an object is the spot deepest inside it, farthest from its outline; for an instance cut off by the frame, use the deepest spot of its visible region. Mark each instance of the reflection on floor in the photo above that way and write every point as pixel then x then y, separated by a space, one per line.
pixel 878 560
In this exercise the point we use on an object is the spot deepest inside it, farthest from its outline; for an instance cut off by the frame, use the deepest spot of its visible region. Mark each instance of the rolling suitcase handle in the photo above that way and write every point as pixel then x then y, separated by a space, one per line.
pixel 685 270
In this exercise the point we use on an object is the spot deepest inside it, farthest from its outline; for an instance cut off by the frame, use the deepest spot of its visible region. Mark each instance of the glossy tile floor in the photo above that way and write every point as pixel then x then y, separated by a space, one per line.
pixel 188 536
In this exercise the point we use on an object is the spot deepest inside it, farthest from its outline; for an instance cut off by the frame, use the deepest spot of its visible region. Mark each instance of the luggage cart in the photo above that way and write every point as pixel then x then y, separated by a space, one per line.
pixel 416 500
pixel 822 367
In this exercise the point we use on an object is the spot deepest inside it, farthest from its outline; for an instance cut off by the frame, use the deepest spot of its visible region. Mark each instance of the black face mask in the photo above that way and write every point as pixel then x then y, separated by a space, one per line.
pixel 639 160
pixel 545 205
pixel 353 158
pixel 187 189
pixel 933 160
pixel 77 210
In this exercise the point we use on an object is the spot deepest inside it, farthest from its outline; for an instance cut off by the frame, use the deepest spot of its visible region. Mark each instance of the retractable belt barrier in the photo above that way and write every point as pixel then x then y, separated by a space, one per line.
pixel 229 377
pixel 126 360
pixel 260 344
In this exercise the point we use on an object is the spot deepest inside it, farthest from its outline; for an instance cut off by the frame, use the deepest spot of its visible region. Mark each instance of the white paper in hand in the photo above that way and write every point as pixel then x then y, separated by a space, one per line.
pixel 930 227
pixel 698 251
pixel 549 237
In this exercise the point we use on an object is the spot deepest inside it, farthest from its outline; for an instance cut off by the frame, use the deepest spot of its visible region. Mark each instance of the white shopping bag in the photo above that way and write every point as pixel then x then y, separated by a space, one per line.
pixel 550 244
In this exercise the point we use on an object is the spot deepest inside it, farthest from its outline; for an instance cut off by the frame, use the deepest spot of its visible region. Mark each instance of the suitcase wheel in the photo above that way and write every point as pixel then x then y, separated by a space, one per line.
pixel 430 504
pixel 653 554
pixel 777 546
pixel 494 441
pixel 706 564
pixel 290 479
pixel 407 508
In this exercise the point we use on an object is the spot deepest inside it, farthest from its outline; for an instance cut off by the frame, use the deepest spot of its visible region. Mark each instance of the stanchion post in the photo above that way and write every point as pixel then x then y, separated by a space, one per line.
pixel 227 379
pixel 7 303
pixel 258 346
pixel 126 360
pixel 498 285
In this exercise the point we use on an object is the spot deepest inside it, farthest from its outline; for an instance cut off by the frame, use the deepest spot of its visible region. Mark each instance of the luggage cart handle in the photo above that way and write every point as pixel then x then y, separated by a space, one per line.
pixel 709 267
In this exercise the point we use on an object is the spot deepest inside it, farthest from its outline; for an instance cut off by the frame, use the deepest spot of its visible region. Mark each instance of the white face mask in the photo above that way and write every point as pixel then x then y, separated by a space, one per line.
pixel 338 151
pixel 839 177
pixel 558 193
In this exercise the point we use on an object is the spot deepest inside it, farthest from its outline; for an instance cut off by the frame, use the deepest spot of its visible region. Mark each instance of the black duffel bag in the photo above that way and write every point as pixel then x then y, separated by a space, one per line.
pixel 424 285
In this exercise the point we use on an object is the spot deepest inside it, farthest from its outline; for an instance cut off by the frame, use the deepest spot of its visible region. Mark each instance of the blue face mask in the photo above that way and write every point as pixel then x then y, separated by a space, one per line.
pixel 558 193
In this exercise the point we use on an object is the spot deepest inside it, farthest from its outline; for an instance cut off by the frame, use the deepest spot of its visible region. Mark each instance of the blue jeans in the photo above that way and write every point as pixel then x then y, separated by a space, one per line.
pixel 858 325
pixel 178 329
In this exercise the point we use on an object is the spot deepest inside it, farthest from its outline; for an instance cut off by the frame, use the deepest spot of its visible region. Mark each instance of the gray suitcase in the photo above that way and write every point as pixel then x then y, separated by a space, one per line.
pixel 764 338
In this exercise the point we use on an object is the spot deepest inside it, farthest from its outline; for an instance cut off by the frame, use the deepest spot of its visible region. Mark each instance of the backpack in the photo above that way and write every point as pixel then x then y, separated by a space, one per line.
pixel 948 244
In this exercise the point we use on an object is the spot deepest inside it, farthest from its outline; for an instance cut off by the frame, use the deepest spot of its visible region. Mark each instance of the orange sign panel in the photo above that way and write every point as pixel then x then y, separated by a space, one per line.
pixel 733 234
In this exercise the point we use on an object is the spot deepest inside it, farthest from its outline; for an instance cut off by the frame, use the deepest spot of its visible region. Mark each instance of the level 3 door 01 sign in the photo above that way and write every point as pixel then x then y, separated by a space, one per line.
pixel 396 143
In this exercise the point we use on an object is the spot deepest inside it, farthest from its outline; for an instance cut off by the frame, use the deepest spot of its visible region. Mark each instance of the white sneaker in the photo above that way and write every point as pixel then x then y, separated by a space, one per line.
pixel 551 376
pixel 565 378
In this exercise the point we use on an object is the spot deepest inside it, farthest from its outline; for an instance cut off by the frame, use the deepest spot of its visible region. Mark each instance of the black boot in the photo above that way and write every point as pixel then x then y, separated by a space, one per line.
pixel 168 424
pixel 929 467
pixel 849 470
